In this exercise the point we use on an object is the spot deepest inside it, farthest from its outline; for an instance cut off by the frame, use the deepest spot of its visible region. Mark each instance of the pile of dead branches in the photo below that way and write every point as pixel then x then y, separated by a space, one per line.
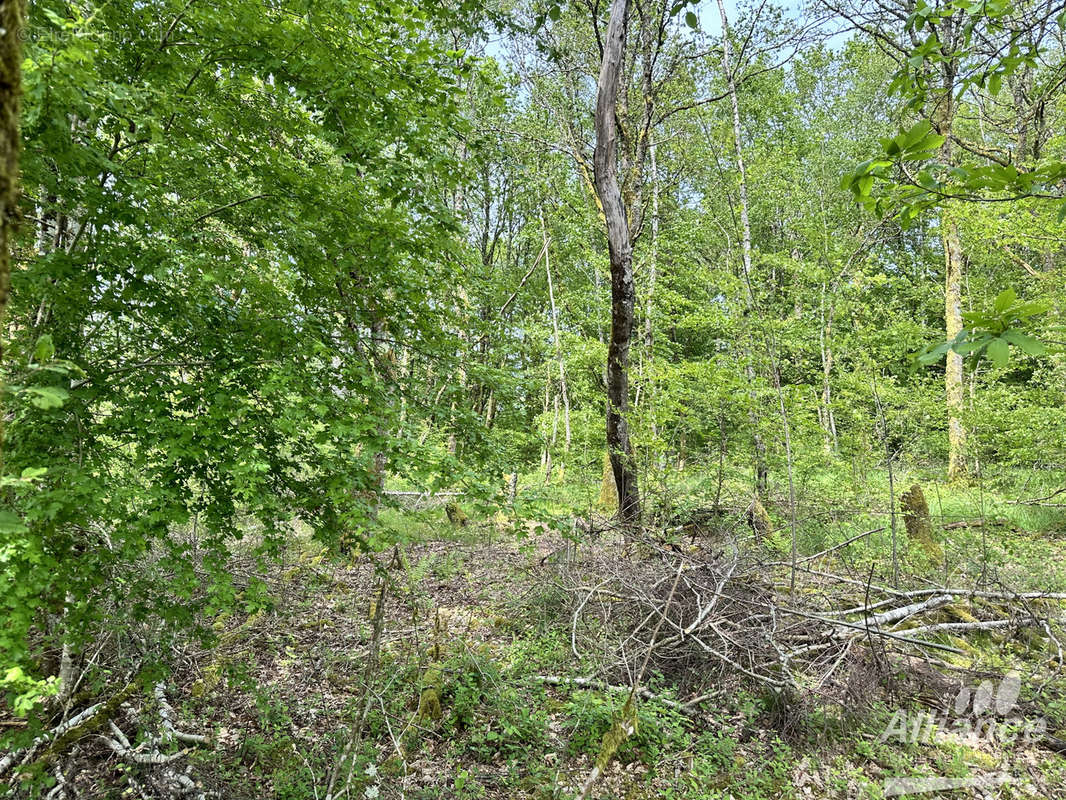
pixel 727 614
pixel 140 732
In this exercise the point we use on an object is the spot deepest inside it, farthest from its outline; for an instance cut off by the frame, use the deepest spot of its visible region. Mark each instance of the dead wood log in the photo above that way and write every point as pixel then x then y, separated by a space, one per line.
pixel 898 614
pixel 166 714
pixel 66 733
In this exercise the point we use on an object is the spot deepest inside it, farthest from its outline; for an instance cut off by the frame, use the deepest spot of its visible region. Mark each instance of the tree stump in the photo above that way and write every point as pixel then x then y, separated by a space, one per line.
pixel 759 520
pixel 917 520
pixel 456 515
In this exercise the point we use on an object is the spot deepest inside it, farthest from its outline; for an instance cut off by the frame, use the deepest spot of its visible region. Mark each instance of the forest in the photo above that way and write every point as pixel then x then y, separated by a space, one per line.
pixel 532 399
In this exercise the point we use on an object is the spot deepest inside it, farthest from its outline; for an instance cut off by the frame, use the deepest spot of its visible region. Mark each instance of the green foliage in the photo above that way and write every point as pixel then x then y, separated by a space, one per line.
pixel 277 258
pixel 241 220
pixel 976 46
pixel 24 692
pixel 488 717
pixel 992 333
pixel 724 769
pixel 593 716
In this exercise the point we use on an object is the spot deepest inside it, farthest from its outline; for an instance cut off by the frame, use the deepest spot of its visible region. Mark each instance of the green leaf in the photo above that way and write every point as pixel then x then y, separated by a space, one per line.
pixel 1030 308
pixel 1005 300
pixel 933 353
pixel 1024 342
pixel 916 133
pixel 691 20
pixel 11 524
pixel 44 350
pixel 47 396
pixel 998 352
pixel 979 319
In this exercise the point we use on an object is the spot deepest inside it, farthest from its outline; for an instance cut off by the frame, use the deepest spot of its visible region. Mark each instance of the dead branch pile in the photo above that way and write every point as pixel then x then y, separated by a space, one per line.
pixel 734 618
pixel 140 732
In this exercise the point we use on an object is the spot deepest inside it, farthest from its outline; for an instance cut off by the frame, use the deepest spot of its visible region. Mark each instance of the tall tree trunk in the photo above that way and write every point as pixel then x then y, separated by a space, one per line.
pixel 1021 89
pixel 953 376
pixel 620 246
pixel 12 16
pixel 545 456
pixel 954 267
pixel 649 307
pixel 558 340
pixel 490 409
pixel 825 411
pixel 548 466
pixel 761 471
pixel 377 469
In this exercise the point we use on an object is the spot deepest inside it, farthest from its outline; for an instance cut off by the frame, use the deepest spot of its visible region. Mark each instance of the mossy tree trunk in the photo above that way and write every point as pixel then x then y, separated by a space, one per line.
pixel 917 520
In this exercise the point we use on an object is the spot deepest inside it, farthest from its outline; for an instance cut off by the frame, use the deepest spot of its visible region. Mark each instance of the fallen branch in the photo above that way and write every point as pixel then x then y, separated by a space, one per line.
pixel 66 733
pixel 1038 501
pixel 127 753
pixel 166 714
pixel 898 614
pixel 965 626
pixel 860 630
pixel 27 753
pixel 173 780
pixel 829 550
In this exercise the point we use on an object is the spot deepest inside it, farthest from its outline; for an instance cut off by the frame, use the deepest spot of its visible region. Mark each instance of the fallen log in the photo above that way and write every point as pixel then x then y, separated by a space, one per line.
pixel 66 733
pixel 166 714
pixel 898 614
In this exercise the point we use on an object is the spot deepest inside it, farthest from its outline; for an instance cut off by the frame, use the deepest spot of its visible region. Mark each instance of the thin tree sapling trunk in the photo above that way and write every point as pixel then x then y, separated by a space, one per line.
pixel 954 266
pixel 558 340
pixel 761 471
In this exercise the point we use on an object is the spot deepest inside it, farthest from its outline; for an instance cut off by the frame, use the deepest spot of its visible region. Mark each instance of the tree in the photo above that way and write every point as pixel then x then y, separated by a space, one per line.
pixel 240 216
pixel 620 245
pixel 967 51
pixel 12 16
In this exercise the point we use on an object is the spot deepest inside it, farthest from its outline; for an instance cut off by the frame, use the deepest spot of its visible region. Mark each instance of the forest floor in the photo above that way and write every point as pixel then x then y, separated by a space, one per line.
pixel 488 627
pixel 502 666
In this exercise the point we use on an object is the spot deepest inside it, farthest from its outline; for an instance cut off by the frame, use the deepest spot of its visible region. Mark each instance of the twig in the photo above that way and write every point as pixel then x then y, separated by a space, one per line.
pixel 832 549
pixel 356 733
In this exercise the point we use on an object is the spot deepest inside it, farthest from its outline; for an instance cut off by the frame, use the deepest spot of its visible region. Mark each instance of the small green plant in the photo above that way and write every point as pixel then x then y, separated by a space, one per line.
pixel 659 729
pixel 465 785
pixel 724 767
pixel 488 717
